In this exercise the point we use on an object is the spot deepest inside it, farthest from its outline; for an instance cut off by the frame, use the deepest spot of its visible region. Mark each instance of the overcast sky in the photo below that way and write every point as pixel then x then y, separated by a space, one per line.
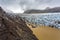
pixel 20 5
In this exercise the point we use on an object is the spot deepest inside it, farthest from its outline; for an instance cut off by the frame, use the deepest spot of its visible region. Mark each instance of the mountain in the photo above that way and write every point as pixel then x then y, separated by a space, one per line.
pixel 12 27
pixel 47 10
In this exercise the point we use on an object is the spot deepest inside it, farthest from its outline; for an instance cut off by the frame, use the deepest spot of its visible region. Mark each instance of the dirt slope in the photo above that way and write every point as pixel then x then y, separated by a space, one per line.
pixel 13 27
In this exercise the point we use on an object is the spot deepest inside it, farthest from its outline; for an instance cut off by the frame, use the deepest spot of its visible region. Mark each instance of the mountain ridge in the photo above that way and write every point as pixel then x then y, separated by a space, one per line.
pixel 47 10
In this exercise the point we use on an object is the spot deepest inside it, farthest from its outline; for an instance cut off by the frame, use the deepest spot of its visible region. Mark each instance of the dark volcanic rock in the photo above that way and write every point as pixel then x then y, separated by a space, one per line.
pixel 13 27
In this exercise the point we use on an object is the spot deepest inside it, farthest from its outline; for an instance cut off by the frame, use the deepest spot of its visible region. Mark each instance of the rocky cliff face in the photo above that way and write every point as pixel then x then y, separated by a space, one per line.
pixel 12 27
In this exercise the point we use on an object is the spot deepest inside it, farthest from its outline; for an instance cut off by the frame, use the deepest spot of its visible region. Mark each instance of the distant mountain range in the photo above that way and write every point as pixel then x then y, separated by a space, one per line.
pixel 47 10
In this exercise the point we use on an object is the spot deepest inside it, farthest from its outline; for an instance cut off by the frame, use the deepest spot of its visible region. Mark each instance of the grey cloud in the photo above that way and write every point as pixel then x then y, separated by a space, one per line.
pixel 28 4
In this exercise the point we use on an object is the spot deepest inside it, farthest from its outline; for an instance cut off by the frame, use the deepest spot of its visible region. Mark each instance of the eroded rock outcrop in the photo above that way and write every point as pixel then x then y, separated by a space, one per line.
pixel 12 27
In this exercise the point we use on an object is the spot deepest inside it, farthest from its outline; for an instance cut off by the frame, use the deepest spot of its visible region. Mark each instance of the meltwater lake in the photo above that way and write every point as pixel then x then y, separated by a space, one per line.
pixel 43 18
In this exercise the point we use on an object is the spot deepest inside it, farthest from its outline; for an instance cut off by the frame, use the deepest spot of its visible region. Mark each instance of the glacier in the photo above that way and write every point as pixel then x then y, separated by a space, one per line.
pixel 44 19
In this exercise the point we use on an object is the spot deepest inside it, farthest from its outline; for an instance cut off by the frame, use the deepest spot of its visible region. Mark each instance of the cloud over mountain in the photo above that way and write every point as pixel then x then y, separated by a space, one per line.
pixel 20 5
